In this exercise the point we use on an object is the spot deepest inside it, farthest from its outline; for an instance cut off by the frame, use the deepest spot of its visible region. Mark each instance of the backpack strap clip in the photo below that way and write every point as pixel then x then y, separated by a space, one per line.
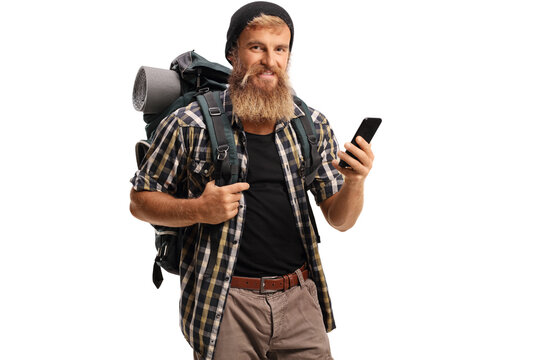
pixel 214 111
pixel 222 152
pixel 202 91
pixel 302 169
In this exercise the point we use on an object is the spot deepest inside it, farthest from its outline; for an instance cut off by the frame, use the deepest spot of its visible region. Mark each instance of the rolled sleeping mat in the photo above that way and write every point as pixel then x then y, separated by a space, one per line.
pixel 155 89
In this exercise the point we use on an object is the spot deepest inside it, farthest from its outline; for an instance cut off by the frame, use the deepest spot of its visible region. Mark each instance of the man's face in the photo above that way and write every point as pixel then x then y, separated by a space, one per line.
pixel 258 84
pixel 265 50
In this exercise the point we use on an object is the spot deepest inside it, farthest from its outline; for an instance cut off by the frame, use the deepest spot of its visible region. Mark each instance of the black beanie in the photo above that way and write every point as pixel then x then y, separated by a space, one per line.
pixel 248 12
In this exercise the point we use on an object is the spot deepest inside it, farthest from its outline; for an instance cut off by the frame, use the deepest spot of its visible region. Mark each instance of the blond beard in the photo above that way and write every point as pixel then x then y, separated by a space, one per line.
pixel 260 105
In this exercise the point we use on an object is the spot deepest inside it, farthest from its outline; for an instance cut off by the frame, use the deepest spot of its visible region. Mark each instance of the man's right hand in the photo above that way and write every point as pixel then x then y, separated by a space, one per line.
pixel 215 205
pixel 220 203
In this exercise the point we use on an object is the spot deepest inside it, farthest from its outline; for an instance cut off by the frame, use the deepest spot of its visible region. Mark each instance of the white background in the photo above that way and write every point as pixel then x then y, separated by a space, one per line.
pixel 442 264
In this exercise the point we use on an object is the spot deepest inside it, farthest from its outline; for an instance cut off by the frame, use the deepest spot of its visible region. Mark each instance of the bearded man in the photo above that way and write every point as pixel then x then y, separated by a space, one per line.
pixel 266 297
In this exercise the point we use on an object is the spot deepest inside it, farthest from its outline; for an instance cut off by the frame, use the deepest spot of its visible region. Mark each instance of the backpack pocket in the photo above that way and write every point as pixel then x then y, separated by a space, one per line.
pixel 169 248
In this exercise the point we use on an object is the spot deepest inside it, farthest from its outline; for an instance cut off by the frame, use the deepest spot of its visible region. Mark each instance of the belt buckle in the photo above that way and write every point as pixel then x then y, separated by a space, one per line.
pixel 263 279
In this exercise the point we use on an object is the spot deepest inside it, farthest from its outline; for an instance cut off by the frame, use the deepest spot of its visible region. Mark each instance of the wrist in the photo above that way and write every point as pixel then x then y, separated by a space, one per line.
pixel 354 182
pixel 197 210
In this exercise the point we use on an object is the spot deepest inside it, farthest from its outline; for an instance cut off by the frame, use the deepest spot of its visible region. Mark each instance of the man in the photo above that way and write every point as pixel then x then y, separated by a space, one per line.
pixel 266 297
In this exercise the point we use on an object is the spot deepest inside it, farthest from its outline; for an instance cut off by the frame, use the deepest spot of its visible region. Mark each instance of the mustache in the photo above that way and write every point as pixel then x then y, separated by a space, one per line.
pixel 259 69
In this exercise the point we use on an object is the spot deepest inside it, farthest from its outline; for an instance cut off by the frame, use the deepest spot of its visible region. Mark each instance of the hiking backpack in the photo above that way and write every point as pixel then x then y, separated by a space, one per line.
pixel 202 81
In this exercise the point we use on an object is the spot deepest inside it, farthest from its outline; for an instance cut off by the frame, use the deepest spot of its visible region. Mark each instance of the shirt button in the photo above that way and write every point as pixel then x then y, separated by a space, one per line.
pixel 235 242
pixel 205 172
pixel 218 315
pixel 226 279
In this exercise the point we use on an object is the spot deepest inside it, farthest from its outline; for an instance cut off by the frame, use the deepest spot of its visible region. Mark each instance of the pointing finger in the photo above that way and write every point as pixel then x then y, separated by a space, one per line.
pixel 236 188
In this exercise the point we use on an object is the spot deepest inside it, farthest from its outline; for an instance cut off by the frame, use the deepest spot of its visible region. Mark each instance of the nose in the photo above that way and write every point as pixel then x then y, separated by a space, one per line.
pixel 269 59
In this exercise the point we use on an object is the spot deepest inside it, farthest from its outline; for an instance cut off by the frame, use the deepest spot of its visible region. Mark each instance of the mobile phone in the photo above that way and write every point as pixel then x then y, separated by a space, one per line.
pixel 367 129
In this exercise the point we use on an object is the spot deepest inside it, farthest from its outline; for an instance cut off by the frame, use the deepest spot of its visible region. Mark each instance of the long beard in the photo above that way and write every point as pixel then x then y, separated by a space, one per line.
pixel 264 103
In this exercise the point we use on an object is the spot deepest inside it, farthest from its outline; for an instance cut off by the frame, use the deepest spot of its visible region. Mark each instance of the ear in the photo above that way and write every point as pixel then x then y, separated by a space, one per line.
pixel 232 59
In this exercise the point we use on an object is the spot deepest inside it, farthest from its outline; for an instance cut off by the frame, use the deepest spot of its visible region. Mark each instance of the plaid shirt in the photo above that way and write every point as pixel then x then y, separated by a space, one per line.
pixel 179 162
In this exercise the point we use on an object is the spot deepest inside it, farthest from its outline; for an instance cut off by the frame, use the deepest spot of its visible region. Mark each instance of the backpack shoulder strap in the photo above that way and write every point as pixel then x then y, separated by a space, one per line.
pixel 221 137
pixel 304 127
pixel 224 155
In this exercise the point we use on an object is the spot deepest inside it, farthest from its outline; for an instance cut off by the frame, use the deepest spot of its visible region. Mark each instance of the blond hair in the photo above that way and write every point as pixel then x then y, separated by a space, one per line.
pixel 264 20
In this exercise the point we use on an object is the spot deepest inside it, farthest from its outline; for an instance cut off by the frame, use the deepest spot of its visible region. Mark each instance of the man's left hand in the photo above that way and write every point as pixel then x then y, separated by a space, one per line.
pixel 359 169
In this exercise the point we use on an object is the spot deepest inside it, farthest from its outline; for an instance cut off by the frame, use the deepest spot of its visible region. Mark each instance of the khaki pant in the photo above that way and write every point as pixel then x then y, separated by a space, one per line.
pixel 285 325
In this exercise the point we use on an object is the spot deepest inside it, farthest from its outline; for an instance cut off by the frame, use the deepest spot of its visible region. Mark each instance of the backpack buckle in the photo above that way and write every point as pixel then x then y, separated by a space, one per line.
pixel 222 152
pixel 202 91
pixel 214 111
pixel 302 169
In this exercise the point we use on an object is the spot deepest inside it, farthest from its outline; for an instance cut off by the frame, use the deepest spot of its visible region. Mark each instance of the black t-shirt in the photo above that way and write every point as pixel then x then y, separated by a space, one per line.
pixel 270 243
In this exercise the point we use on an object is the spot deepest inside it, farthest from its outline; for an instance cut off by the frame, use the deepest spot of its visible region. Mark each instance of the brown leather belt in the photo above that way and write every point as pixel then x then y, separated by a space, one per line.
pixel 268 284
